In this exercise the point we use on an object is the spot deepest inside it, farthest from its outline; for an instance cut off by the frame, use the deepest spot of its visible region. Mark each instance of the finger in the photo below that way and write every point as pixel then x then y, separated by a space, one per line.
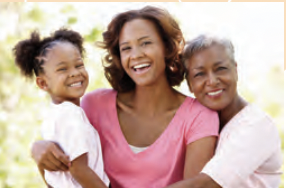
pixel 57 163
pixel 59 154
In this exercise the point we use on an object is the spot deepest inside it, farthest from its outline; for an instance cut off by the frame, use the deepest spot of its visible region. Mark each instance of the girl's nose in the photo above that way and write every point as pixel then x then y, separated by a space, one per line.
pixel 74 72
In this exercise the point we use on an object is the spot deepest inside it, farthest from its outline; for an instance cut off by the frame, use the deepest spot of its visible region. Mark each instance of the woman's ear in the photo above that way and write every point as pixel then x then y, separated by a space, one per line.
pixel 41 82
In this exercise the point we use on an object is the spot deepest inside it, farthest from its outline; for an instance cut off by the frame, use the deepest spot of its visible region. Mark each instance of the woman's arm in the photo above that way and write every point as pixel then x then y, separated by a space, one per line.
pixel 197 155
pixel 48 155
pixel 42 172
pixel 84 175
pixel 199 181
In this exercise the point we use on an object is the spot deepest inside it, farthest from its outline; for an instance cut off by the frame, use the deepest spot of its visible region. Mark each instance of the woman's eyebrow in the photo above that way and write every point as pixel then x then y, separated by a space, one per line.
pixel 141 38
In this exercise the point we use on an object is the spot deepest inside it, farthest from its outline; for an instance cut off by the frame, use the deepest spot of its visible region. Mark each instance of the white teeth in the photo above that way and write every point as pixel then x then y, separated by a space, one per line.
pixel 214 93
pixel 141 66
pixel 76 84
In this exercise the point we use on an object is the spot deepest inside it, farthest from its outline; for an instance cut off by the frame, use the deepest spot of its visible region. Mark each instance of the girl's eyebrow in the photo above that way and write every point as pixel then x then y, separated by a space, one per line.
pixel 61 63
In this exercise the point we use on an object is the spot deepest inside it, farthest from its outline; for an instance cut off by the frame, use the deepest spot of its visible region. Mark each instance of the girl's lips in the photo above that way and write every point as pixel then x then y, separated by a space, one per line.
pixel 76 84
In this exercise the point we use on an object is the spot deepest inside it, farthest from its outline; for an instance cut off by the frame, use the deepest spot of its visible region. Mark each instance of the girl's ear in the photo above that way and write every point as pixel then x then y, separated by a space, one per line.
pixel 41 82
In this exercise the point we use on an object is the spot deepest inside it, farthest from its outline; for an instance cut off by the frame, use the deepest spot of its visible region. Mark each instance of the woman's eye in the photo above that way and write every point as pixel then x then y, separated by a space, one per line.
pixel 125 48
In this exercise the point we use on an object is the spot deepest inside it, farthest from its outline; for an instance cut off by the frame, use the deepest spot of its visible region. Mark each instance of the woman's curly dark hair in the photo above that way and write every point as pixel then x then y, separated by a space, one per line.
pixel 28 53
pixel 170 33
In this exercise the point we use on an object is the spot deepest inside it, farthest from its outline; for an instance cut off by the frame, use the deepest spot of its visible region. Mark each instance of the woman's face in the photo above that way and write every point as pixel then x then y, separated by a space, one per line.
pixel 142 52
pixel 212 77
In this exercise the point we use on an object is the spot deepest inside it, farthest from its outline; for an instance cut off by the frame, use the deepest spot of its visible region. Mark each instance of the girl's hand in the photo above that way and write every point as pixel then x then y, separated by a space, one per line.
pixel 49 156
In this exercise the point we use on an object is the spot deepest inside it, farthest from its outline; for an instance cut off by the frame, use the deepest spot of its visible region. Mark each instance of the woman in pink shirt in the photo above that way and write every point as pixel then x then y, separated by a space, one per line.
pixel 248 154
pixel 151 135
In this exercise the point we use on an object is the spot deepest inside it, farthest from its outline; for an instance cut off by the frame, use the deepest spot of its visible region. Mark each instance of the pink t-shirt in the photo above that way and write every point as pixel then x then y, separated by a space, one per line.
pixel 162 163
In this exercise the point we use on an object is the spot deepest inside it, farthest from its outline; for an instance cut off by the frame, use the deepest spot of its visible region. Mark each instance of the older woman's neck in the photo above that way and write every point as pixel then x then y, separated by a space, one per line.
pixel 231 110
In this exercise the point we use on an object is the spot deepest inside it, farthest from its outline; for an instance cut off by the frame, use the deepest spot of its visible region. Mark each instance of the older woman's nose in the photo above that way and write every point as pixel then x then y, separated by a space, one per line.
pixel 212 79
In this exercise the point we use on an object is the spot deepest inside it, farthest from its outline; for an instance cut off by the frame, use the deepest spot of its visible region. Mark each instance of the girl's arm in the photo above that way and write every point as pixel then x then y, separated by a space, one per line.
pixel 84 175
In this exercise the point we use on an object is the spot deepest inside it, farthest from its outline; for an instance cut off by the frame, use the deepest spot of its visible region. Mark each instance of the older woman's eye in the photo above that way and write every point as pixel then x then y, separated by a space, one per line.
pixel 146 43
pixel 198 74
pixel 221 68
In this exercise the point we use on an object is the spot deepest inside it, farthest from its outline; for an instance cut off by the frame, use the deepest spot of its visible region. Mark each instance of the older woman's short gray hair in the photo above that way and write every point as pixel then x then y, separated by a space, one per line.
pixel 203 42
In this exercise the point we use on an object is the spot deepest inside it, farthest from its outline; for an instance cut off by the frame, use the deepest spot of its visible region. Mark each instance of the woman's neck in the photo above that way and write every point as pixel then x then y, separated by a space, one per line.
pixel 231 110
pixel 153 100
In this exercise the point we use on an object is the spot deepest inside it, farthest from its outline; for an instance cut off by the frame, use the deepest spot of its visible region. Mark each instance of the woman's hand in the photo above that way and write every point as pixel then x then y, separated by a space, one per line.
pixel 49 156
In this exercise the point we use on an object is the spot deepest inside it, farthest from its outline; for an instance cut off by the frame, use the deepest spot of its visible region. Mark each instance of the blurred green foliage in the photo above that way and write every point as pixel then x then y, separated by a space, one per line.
pixel 22 102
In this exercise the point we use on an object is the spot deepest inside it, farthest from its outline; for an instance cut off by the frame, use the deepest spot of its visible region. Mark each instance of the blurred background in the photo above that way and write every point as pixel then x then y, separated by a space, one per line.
pixel 256 30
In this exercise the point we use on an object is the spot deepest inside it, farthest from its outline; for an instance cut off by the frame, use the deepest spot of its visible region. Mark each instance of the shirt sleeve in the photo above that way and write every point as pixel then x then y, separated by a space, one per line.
pixel 243 153
pixel 205 123
pixel 71 132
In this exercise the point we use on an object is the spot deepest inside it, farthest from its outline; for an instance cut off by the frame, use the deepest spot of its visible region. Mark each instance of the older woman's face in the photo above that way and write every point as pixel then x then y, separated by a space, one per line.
pixel 142 52
pixel 212 77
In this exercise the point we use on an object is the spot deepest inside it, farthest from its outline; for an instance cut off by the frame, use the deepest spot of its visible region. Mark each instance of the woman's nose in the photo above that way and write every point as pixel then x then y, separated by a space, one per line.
pixel 136 53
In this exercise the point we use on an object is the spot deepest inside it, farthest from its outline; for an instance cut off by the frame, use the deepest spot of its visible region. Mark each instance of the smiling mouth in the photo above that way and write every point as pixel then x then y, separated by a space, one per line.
pixel 76 84
pixel 141 67
pixel 215 93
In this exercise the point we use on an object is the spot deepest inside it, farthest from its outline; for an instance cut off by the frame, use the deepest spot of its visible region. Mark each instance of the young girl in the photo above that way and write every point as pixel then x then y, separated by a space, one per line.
pixel 57 63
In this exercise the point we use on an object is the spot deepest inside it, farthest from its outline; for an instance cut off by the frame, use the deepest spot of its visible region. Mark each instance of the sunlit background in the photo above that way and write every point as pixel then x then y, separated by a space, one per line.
pixel 256 29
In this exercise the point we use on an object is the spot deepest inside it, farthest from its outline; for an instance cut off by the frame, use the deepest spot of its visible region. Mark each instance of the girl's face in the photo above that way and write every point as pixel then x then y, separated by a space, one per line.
pixel 142 52
pixel 212 77
pixel 65 77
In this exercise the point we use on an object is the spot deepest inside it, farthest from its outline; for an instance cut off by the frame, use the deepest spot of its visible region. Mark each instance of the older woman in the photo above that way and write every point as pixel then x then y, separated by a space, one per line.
pixel 151 135
pixel 248 154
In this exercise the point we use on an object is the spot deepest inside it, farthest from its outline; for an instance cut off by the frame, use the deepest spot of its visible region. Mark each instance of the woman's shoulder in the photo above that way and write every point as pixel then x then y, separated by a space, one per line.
pixel 98 95
pixel 193 106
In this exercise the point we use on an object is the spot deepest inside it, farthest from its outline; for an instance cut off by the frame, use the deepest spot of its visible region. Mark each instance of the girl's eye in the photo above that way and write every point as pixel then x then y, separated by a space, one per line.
pixel 62 69
pixel 80 66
